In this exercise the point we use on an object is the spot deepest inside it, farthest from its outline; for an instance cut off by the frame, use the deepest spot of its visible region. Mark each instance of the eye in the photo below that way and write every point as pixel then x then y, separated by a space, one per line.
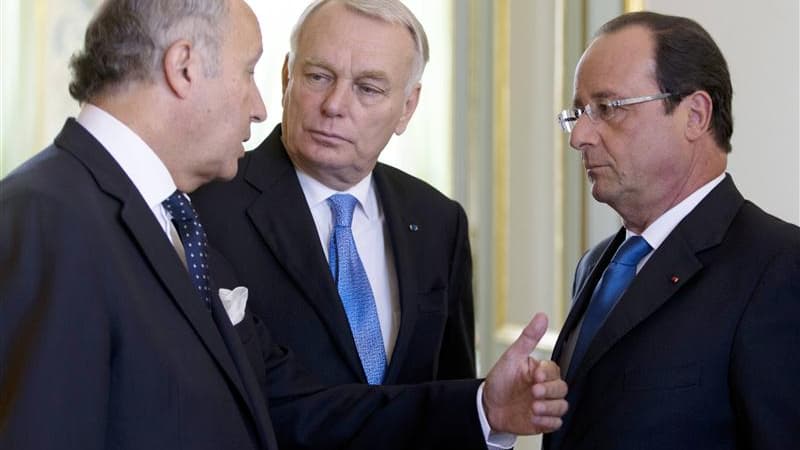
pixel 603 110
pixel 316 77
pixel 370 90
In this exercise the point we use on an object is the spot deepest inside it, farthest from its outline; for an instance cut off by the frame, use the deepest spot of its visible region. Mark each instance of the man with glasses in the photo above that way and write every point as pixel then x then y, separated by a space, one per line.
pixel 684 323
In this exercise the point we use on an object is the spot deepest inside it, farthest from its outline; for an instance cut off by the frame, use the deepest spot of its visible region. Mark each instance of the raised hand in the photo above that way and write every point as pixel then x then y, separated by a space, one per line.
pixel 522 395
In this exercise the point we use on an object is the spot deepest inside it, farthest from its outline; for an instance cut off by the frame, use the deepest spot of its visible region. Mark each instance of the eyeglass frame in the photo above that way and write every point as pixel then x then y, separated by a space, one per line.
pixel 569 117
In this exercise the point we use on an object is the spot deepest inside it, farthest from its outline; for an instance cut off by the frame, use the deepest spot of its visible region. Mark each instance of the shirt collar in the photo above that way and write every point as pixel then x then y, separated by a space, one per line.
pixel 317 193
pixel 658 231
pixel 139 162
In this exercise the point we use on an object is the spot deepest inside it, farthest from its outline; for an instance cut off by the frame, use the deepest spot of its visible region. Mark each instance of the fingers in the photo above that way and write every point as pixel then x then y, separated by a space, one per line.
pixel 548 382
pixel 549 394
pixel 546 424
pixel 550 408
pixel 550 390
pixel 547 370
pixel 529 338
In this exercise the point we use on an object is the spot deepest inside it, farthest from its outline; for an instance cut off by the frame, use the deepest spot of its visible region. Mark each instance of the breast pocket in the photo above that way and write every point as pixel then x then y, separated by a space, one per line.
pixel 662 378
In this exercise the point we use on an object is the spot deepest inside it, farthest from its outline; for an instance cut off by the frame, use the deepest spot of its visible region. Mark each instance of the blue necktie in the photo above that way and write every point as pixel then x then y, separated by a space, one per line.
pixel 354 289
pixel 195 243
pixel 616 278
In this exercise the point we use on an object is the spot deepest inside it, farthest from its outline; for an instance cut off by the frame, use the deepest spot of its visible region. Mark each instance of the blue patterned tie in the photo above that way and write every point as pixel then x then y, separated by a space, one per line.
pixel 616 278
pixel 354 289
pixel 195 242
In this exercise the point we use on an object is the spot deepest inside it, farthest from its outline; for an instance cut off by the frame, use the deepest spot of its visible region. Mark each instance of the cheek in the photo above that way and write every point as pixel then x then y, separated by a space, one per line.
pixel 377 126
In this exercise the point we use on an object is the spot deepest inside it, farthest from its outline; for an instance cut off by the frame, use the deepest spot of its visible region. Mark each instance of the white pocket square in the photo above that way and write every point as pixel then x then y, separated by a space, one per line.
pixel 234 302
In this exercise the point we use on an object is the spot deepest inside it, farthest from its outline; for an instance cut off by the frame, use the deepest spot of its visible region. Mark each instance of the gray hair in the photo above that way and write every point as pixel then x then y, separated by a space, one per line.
pixel 126 41
pixel 390 11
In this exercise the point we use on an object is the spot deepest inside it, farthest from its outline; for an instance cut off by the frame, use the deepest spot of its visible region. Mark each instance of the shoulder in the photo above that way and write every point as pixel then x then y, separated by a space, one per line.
pixel 412 191
pixel 52 178
pixel 756 232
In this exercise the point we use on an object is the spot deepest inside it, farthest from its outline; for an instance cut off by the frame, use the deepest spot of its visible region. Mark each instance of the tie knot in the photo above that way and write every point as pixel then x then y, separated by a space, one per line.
pixel 179 207
pixel 342 206
pixel 632 251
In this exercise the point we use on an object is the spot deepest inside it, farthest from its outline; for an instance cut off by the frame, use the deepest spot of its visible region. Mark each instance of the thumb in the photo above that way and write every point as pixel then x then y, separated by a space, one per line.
pixel 529 338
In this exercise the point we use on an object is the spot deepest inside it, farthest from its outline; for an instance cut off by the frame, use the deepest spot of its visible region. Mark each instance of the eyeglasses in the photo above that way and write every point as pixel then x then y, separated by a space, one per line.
pixel 601 110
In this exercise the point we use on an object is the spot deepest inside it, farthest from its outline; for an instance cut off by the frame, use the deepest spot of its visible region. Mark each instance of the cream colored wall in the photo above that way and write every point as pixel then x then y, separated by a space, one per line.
pixel 761 41
pixel 39 36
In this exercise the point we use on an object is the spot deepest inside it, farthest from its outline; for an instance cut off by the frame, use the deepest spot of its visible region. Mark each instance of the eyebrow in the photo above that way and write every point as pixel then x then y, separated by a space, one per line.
pixel 596 96
pixel 317 63
pixel 377 75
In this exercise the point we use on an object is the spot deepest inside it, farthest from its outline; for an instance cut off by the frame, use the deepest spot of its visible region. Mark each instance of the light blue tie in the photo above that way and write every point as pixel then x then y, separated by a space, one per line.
pixel 195 242
pixel 354 289
pixel 616 278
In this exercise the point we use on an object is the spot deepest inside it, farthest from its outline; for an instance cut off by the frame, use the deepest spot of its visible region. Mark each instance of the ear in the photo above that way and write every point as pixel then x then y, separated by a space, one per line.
pixel 181 67
pixel 409 107
pixel 285 74
pixel 700 107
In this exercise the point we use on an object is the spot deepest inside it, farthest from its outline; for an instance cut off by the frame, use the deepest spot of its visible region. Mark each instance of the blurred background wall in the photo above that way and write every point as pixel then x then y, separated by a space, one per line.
pixel 485 131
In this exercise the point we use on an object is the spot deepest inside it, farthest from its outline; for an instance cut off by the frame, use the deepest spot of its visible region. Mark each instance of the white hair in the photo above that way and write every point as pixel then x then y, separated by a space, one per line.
pixel 390 11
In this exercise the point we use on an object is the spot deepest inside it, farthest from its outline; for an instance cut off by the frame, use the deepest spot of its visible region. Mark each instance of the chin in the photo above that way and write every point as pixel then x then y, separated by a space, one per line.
pixel 227 171
pixel 598 193
pixel 228 175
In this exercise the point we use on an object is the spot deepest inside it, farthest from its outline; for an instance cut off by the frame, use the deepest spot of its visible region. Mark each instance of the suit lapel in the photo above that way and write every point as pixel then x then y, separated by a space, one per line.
pixel 651 288
pixel 398 218
pixel 670 267
pixel 156 249
pixel 588 275
pixel 284 222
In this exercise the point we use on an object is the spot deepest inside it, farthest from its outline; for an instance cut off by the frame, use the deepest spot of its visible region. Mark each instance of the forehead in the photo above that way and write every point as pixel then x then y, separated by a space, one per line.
pixel 243 34
pixel 335 34
pixel 621 63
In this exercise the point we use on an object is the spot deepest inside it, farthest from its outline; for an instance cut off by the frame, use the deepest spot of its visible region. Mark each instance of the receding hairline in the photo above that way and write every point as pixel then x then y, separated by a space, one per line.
pixel 396 14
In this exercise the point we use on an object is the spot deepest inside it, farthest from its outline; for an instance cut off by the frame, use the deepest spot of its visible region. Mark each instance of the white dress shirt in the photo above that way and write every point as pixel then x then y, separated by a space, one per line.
pixel 374 248
pixel 139 162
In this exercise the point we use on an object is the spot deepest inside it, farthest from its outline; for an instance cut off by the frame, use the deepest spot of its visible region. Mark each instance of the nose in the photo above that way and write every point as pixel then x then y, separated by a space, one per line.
pixel 337 99
pixel 583 133
pixel 259 110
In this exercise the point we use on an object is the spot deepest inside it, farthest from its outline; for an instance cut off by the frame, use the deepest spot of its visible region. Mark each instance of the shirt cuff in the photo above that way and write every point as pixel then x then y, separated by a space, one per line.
pixel 494 440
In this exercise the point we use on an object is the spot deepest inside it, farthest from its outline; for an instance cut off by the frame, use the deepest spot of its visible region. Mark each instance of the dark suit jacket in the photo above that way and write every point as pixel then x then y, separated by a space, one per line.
pixel 700 352
pixel 260 221
pixel 104 343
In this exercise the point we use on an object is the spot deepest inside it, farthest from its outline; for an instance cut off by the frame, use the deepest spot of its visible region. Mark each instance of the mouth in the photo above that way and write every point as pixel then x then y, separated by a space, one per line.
pixel 593 165
pixel 328 138
pixel 592 170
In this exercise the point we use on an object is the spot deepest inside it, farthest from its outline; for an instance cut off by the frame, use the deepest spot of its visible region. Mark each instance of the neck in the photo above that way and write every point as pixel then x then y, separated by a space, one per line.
pixel 146 113
pixel 637 216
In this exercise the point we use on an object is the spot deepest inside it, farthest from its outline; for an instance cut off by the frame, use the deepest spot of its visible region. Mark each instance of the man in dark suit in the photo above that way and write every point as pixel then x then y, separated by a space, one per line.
pixel 350 81
pixel 112 334
pixel 684 335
